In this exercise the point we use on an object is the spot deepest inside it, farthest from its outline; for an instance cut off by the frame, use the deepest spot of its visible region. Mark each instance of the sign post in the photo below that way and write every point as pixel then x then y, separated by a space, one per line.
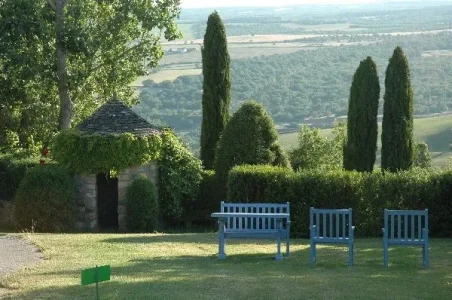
pixel 96 275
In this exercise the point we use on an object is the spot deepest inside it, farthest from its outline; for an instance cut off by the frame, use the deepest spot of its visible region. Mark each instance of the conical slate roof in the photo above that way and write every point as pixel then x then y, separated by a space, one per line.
pixel 115 118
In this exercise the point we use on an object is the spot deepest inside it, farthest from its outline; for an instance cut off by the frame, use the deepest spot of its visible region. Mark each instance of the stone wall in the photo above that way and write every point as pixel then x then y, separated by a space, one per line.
pixel 86 191
pixel 86 195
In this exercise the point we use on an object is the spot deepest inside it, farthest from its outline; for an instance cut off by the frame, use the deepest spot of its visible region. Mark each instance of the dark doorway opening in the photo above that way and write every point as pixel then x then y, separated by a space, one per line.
pixel 107 202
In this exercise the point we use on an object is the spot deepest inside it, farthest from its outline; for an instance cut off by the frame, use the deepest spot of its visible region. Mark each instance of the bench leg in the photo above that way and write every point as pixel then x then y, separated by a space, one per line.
pixel 221 253
pixel 278 250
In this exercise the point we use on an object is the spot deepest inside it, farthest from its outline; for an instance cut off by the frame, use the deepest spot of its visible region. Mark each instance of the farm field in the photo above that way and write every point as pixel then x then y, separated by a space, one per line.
pixel 185 266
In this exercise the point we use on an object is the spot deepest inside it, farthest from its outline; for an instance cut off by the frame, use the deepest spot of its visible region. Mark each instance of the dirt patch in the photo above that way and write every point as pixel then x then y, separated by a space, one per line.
pixel 16 253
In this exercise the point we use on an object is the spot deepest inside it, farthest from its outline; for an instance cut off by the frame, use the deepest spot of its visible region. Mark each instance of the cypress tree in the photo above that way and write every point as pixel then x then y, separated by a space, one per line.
pixel 362 128
pixel 216 88
pixel 397 147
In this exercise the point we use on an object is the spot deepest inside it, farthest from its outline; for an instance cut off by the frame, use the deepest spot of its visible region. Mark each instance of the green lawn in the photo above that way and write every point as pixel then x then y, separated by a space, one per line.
pixel 185 266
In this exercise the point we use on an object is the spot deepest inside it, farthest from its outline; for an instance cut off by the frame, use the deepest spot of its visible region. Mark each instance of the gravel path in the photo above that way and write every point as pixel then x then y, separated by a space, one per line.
pixel 16 253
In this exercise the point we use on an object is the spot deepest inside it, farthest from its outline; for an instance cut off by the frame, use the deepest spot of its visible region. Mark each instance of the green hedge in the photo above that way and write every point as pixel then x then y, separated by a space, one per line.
pixel 45 200
pixel 12 171
pixel 367 193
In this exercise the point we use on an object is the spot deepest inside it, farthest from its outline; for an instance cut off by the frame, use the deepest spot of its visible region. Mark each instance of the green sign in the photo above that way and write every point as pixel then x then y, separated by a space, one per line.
pixel 96 275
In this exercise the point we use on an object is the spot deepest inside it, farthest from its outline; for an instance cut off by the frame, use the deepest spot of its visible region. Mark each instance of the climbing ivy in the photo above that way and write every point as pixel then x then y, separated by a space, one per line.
pixel 92 154
pixel 180 174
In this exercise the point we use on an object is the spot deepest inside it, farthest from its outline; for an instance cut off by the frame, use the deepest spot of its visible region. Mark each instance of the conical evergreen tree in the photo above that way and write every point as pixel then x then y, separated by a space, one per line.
pixel 397 147
pixel 362 128
pixel 216 88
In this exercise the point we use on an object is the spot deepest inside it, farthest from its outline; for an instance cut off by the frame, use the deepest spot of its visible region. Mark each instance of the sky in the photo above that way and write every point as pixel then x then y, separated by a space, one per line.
pixel 223 3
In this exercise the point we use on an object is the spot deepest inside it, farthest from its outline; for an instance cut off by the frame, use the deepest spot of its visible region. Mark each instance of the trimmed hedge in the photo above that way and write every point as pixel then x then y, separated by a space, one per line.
pixel 11 173
pixel 141 206
pixel 45 200
pixel 367 193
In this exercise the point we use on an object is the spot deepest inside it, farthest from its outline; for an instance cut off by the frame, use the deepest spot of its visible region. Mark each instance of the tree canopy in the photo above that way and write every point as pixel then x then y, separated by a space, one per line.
pixel 250 138
pixel 100 47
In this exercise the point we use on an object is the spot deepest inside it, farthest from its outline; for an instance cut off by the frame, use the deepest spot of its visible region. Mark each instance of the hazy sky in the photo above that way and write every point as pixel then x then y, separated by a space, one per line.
pixel 222 3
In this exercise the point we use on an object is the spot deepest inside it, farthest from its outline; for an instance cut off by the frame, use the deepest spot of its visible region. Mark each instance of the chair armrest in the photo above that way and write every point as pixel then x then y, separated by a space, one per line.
pixel 353 228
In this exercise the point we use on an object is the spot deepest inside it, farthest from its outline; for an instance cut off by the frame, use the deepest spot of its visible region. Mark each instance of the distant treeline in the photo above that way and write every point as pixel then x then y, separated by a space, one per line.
pixel 308 83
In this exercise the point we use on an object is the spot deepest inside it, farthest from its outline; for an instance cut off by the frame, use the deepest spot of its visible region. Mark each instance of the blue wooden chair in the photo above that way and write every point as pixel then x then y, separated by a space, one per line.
pixel 331 226
pixel 406 228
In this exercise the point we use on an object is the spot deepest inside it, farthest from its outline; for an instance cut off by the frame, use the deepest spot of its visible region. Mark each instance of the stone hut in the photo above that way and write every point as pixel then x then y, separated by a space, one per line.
pixel 101 198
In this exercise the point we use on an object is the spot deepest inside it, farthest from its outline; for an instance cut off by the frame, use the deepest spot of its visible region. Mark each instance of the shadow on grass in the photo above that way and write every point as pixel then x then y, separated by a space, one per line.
pixel 167 238
pixel 254 276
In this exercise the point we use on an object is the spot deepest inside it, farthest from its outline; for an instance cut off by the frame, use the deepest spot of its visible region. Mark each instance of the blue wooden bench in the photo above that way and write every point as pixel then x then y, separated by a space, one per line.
pixel 331 226
pixel 406 228
pixel 254 220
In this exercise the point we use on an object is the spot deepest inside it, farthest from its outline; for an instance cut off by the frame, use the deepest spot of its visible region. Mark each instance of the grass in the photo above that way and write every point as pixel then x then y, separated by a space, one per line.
pixel 185 266
pixel 165 75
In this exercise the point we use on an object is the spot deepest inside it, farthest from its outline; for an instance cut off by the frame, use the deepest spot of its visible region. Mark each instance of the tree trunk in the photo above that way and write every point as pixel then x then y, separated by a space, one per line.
pixel 65 116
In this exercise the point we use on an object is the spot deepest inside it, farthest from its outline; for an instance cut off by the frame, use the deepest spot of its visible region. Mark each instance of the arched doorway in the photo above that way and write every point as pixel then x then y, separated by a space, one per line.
pixel 107 202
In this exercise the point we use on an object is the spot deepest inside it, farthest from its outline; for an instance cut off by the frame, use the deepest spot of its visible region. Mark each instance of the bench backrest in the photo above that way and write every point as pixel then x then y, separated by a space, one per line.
pixel 331 224
pixel 405 225
pixel 254 224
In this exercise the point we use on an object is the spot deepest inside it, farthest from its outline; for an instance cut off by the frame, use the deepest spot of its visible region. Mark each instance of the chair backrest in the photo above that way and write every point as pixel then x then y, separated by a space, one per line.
pixel 258 223
pixel 405 225
pixel 331 223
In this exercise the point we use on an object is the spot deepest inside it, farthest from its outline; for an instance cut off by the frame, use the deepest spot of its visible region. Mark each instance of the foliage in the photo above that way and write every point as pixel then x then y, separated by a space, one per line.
pixel 250 137
pixel 45 200
pixel 141 206
pixel 367 193
pixel 94 153
pixel 315 151
pixel 362 128
pixel 216 96
pixel 206 201
pixel 309 83
pixel 12 171
pixel 104 44
pixel 179 177
pixel 397 146
pixel 422 157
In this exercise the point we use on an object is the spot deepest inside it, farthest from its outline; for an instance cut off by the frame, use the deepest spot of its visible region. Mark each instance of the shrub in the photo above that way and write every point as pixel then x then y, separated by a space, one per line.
pixel 12 171
pixel 45 200
pixel 206 202
pixel 367 193
pixel 141 206
pixel 316 151
pixel 250 137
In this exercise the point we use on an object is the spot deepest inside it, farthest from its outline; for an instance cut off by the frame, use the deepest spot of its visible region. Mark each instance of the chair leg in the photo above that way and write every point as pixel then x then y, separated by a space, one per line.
pixel 350 254
pixel 313 252
pixel 425 257
pixel 385 255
